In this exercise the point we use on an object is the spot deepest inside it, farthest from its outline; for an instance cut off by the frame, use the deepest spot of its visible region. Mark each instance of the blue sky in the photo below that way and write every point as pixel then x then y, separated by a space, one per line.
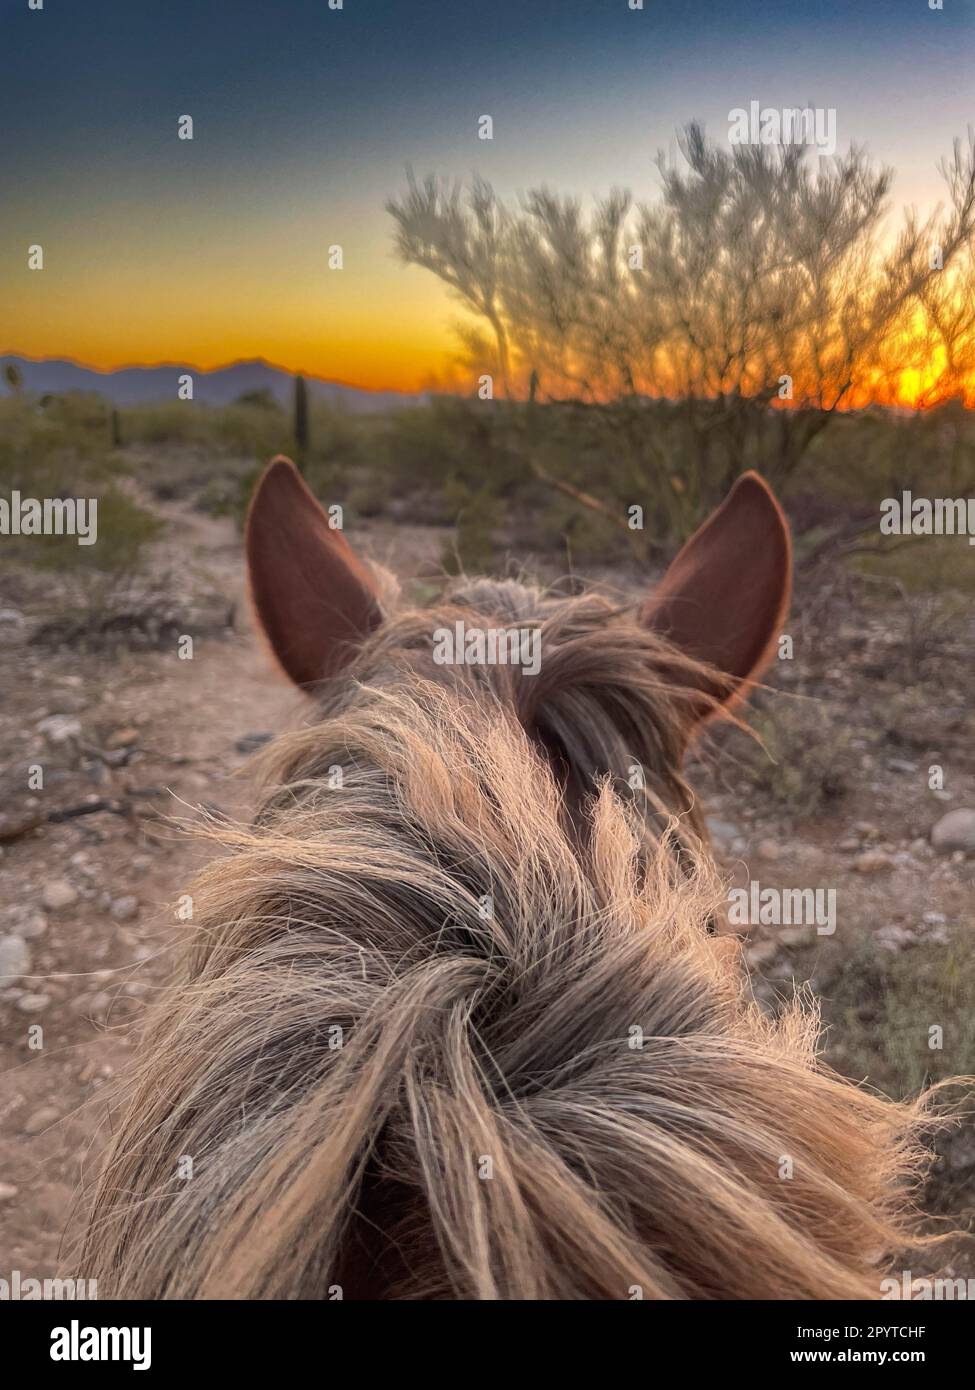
pixel 305 119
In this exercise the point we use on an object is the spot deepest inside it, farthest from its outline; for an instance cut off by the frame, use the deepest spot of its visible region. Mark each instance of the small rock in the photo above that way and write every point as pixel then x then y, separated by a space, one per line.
pixel 7 1191
pixel 797 936
pixel 41 1119
pixel 811 855
pixel 722 832
pixel 141 864
pixel 14 958
pixel 873 862
pixel 849 846
pixel 934 918
pixel 32 925
pixel 124 909
pixel 894 938
pixel 71 704
pixel 865 829
pixel 59 728
pixel 901 765
pixel 771 849
pixel 122 738
pixel 33 1003
pixel 955 831
pixel 762 954
pixel 57 894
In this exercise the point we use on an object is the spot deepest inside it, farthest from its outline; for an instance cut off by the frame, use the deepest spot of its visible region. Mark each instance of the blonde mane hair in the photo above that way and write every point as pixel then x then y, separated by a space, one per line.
pixel 453 1024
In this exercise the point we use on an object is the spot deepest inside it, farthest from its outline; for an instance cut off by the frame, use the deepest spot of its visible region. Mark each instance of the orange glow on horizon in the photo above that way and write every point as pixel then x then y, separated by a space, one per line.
pixel 378 327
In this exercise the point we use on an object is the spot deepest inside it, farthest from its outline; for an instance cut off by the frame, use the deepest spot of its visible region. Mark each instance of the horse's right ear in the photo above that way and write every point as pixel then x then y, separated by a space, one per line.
pixel 725 596
pixel 314 598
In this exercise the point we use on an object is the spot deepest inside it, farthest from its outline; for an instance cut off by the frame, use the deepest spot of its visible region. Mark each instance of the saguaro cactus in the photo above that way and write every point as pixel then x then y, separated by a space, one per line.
pixel 301 418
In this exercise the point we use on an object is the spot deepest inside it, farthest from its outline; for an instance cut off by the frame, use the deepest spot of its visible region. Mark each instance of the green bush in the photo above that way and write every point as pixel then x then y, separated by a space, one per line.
pixel 123 530
pixel 801 761
pixel 880 1005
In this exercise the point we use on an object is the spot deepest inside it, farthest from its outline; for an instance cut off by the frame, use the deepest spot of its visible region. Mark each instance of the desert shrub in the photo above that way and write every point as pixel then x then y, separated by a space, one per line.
pixel 454 438
pixel 169 422
pixel 801 760
pixel 262 398
pixel 478 514
pixel 114 613
pixel 251 427
pixel 53 449
pixel 925 564
pixel 124 529
pixel 250 430
pixel 550 523
pixel 368 496
pixel 62 449
pixel 880 1006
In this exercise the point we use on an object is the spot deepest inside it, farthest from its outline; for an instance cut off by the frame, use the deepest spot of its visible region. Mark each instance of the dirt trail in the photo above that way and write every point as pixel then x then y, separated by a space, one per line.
pixel 170 736
pixel 181 727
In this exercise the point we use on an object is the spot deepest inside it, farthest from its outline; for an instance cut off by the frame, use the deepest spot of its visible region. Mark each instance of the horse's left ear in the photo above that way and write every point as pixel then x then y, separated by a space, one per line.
pixel 315 599
pixel 725 596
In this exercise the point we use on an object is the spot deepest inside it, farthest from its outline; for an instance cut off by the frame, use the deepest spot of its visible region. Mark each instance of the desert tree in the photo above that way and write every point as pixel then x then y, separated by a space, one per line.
pixel 944 333
pixel 460 235
pixel 722 323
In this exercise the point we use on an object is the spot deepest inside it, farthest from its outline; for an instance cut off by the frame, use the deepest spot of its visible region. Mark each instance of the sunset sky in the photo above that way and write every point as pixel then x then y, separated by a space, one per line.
pixel 204 252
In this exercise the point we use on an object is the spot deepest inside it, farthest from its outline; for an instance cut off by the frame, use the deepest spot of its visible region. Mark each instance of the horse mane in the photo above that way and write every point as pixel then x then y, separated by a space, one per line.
pixel 452 1025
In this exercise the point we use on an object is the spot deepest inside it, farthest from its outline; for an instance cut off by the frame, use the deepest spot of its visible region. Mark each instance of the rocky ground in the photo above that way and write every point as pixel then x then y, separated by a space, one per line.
pixel 135 743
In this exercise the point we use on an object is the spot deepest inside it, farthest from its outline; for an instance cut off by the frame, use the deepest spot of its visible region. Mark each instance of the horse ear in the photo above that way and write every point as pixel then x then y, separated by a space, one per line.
pixel 725 596
pixel 314 598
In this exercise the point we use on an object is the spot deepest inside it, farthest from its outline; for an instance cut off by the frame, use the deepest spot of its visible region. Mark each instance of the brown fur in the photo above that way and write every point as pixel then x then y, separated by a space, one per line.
pixel 509 1038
